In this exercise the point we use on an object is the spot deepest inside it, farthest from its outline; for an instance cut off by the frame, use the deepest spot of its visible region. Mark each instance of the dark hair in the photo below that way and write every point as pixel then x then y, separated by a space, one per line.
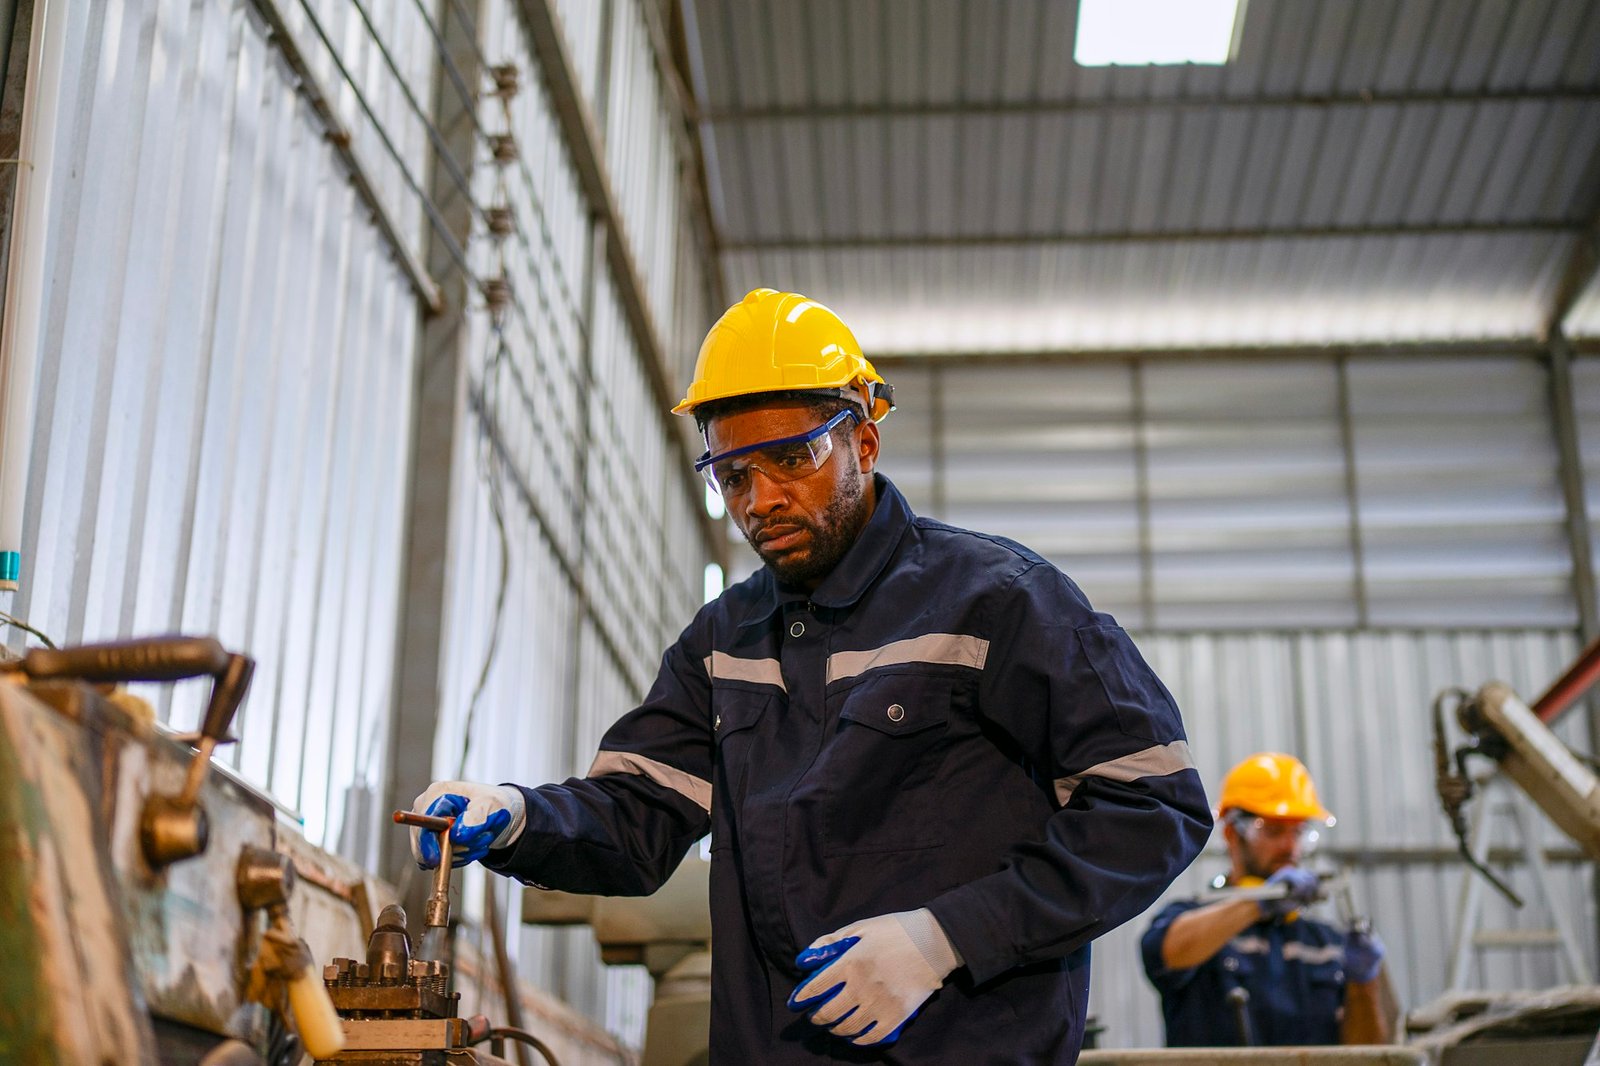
pixel 822 405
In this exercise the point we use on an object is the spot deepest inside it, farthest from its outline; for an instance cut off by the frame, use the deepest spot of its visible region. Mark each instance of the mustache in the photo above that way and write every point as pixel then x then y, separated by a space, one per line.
pixel 788 524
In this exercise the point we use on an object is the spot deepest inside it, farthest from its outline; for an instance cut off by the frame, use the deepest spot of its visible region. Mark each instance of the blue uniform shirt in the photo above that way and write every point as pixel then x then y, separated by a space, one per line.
pixel 1293 970
pixel 945 723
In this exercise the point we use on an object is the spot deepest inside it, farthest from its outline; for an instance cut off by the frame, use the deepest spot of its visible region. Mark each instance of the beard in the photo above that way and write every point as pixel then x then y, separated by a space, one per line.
pixel 830 537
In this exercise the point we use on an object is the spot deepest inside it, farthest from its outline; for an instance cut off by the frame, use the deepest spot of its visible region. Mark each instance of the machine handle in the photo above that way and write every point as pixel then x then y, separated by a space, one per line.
pixel 154 659
pixel 321 1029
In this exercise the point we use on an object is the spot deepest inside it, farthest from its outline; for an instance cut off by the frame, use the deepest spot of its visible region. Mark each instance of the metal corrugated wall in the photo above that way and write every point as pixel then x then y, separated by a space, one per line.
pixel 606 551
pixel 225 388
pixel 226 393
pixel 1236 493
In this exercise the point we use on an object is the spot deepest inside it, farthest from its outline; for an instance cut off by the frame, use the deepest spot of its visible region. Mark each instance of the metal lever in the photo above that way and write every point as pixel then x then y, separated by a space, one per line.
pixel 437 915
pixel 170 827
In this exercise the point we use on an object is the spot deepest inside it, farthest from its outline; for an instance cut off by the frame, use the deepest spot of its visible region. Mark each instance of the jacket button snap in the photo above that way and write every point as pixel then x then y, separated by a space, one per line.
pixel 896 712
pixel 798 629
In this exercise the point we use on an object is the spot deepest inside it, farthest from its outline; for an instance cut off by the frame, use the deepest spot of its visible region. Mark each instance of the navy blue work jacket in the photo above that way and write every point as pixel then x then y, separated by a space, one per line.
pixel 1293 970
pixel 943 723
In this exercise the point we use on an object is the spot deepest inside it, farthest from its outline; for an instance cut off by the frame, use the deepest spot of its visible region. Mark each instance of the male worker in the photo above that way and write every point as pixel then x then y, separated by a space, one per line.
pixel 1303 981
pixel 932 773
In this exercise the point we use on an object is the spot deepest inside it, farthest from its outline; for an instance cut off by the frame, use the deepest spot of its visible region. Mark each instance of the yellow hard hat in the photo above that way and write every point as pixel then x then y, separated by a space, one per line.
pixel 1272 785
pixel 780 341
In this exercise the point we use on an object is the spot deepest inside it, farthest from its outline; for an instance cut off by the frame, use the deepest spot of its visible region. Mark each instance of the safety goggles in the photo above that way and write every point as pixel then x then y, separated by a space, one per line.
pixel 784 459
pixel 1259 831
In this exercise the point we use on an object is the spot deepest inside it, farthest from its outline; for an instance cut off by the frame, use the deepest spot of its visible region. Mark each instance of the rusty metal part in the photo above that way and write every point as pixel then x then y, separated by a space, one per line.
pixel 170 830
pixel 406 1034
pixel 344 890
pixel 264 879
pixel 417 989
pixel 171 827
pixel 389 945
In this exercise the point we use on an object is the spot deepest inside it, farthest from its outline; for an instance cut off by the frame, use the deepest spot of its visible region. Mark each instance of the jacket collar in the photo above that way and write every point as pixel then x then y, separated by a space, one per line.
pixel 858 569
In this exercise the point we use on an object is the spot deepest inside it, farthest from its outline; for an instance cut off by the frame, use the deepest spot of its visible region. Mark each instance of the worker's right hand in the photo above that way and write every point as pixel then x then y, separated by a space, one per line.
pixel 1300 890
pixel 487 816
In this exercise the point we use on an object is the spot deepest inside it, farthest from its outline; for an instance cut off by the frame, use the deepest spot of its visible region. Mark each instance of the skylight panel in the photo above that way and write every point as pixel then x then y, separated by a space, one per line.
pixel 1131 33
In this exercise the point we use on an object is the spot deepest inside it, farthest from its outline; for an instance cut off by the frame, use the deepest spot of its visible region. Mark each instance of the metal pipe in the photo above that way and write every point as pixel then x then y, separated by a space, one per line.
pixel 21 317
pixel 1571 686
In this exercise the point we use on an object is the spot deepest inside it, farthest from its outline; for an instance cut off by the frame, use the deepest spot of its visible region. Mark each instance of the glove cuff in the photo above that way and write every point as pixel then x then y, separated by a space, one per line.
pixel 511 799
pixel 929 938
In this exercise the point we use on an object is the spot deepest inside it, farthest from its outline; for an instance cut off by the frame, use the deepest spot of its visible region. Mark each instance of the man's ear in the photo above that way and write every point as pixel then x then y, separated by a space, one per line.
pixel 867 447
pixel 1230 834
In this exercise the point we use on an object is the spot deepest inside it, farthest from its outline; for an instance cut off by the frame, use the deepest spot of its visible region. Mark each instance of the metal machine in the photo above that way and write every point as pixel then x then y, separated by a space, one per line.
pixel 155 908
pixel 1517 738
pixel 397 1009
pixel 1527 762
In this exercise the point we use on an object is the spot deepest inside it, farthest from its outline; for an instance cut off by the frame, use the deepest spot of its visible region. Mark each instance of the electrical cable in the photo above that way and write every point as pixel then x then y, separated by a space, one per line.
pixel 522 1036
pixel 10 620
pixel 428 206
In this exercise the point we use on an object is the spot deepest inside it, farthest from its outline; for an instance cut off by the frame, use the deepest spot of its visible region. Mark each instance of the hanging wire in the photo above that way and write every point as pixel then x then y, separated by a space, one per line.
pixel 17 623
pixel 498 296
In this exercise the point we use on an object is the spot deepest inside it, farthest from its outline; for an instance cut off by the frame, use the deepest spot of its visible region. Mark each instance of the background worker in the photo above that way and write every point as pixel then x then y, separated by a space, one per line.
pixel 1307 982
pixel 932 773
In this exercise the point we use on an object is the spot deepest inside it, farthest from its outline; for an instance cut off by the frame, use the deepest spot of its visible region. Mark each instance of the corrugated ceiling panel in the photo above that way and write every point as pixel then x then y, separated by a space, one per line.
pixel 225 391
pixel 1355 707
pixel 966 50
pixel 1173 168
pixel 1067 296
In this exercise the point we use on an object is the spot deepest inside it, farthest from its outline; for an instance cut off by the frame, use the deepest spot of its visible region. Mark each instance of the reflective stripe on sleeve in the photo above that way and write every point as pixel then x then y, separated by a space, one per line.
pixel 719 664
pixel 1157 761
pixel 626 762
pixel 944 649
pixel 1253 945
pixel 1313 955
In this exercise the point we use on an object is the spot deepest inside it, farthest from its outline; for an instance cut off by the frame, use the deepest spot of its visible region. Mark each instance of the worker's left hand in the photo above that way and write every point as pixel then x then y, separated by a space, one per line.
pixel 1363 957
pixel 870 978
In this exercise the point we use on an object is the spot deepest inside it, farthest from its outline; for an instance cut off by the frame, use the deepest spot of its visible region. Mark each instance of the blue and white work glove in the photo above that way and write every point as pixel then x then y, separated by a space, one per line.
pixel 487 816
pixel 1363 957
pixel 870 978
pixel 1300 888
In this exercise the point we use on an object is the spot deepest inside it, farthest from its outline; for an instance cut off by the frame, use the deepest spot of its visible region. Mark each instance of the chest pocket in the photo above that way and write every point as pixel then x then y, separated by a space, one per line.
pixel 736 715
pixel 879 771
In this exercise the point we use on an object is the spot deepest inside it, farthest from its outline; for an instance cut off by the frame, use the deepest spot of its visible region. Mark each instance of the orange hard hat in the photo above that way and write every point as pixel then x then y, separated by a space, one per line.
pixel 1272 785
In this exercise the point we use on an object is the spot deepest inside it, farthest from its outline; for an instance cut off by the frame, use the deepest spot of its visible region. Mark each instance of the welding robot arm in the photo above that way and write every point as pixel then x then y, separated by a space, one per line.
pixel 1090 717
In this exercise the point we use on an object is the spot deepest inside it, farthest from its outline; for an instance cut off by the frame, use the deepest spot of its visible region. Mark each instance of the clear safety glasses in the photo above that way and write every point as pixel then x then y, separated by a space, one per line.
pixel 784 459
pixel 1262 831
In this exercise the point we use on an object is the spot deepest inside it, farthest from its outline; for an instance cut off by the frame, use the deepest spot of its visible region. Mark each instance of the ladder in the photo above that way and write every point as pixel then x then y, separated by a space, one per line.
pixel 1503 801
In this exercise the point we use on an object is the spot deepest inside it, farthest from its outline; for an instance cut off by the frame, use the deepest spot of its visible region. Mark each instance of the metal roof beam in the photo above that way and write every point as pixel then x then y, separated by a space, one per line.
pixel 581 135
pixel 1000 108
pixel 922 360
pixel 1151 236
pixel 1580 269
